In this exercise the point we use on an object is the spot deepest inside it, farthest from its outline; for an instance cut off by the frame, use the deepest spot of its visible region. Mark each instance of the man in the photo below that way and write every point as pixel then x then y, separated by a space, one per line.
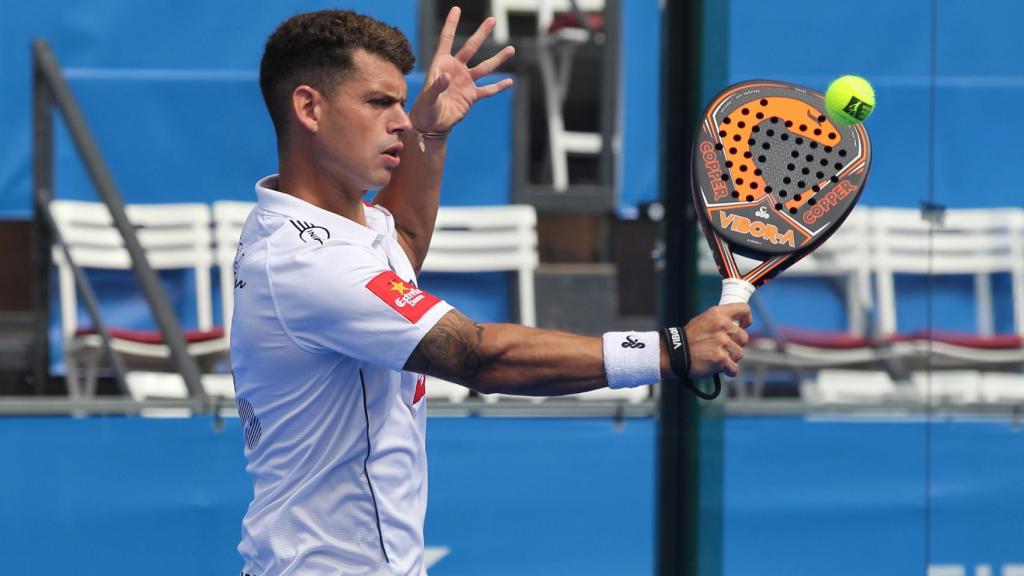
pixel 331 334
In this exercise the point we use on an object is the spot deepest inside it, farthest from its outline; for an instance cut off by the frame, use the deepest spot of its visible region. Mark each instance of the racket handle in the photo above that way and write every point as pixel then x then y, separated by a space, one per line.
pixel 736 290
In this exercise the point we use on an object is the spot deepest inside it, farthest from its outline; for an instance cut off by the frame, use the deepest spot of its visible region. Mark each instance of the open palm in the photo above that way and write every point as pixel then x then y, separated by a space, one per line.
pixel 450 89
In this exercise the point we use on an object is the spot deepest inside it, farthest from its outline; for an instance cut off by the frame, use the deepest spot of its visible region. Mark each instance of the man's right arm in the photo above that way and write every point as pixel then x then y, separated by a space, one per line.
pixel 513 359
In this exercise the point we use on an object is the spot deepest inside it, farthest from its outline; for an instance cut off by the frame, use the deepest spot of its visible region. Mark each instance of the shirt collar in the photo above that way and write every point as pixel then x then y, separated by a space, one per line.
pixel 282 203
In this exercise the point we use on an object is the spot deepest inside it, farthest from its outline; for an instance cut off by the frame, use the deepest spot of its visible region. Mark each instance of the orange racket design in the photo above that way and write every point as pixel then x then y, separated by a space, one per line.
pixel 773 178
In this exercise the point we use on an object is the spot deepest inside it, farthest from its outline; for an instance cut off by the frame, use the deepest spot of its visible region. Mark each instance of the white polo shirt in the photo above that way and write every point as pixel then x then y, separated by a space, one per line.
pixel 326 314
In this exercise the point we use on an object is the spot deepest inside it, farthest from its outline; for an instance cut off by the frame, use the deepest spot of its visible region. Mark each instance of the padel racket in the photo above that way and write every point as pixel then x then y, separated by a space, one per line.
pixel 773 178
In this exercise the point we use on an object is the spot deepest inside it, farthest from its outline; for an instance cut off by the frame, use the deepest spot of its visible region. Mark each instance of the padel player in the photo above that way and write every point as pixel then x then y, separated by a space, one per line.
pixel 331 333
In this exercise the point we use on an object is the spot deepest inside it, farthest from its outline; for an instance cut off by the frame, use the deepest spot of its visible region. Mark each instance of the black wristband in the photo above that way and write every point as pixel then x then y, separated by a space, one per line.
pixel 678 351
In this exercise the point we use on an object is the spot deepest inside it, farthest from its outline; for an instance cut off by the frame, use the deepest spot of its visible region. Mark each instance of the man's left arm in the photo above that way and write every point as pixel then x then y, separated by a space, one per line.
pixel 449 91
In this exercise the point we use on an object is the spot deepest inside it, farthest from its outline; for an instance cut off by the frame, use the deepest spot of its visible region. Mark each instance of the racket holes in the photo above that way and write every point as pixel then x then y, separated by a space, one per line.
pixel 828 149
pixel 824 161
pixel 732 150
pixel 735 194
pixel 757 172
pixel 790 167
pixel 727 120
pixel 741 124
pixel 753 185
pixel 797 197
pixel 792 210
pixel 817 131
pixel 745 111
pixel 759 115
pixel 782 193
pixel 774 120
pixel 801 184
pixel 778 206
pixel 743 168
pixel 787 180
pixel 750 198
pixel 820 175
pixel 821 118
pixel 766 145
pixel 803 127
pixel 719 146
pixel 762 158
pixel 809 158
pixel 789 123
pixel 736 137
pixel 725 177
pixel 799 140
pixel 834 179
pixel 831 135
pixel 739 181
pixel 752 142
pixel 784 137
pixel 842 152
pixel 839 165
pixel 755 129
pixel 794 154
pixel 770 132
pixel 805 171
pixel 728 163
pixel 813 144
pixel 768 189
pixel 747 154
pixel 722 133
pixel 812 201
pixel 815 188
pixel 764 102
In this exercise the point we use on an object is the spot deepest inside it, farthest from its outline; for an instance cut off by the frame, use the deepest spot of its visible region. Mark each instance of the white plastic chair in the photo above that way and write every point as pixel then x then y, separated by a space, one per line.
pixel 842 386
pixel 948 386
pixel 489 239
pixel 144 385
pixel 174 236
pixel 975 242
pixel 228 219
pixel 1002 387
pixel 556 48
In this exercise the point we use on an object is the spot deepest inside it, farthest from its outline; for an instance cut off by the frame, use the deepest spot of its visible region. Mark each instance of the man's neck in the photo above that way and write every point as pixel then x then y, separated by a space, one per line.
pixel 305 183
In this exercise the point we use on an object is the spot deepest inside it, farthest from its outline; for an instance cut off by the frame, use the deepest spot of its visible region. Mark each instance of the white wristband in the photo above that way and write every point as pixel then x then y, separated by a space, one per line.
pixel 632 358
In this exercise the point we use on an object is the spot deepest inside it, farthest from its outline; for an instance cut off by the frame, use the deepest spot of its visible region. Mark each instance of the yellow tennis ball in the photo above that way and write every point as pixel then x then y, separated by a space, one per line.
pixel 849 100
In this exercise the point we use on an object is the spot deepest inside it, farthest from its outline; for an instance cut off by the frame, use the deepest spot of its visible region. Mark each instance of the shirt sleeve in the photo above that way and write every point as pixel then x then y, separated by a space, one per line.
pixel 346 299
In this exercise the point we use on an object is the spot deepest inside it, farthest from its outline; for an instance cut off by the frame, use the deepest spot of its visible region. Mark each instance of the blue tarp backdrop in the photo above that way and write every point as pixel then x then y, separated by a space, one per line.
pixel 513 496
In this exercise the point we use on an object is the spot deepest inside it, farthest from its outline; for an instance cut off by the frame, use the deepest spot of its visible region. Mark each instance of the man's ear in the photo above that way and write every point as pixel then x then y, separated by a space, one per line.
pixel 306 102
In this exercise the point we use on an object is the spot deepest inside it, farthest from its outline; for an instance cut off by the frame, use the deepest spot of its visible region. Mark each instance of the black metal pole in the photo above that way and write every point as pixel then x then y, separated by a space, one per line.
pixel 678 448
pixel 42 182
pixel 46 66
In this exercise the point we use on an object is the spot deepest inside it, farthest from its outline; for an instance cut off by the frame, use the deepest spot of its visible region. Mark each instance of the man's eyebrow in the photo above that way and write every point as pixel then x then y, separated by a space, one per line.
pixel 380 95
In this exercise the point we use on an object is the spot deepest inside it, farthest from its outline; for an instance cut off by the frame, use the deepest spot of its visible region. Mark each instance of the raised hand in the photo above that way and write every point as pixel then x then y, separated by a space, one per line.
pixel 450 89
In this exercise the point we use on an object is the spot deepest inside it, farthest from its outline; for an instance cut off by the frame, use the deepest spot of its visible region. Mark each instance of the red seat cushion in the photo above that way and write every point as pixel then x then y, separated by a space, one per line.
pixel 569 20
pixel 154 336
pixel 965 339
pixel 820 338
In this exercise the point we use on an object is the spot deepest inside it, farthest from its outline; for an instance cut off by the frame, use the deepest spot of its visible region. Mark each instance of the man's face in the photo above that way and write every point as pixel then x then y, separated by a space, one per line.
pixel 361 126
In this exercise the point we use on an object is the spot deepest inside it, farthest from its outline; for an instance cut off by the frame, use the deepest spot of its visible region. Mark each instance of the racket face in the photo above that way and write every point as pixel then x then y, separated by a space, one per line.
pixel 773 176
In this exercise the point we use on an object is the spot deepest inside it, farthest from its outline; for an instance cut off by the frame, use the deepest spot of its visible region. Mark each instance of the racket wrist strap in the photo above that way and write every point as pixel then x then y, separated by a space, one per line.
pixel 632 359
pixel 678 350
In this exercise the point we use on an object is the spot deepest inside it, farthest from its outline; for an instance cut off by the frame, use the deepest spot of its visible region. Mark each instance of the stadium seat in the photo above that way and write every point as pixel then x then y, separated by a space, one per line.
pixel 174 236
pixel 975 242
pixel 557 41
pixel 844 386
pixel 145 385
pixel 489 239
pixel 948 386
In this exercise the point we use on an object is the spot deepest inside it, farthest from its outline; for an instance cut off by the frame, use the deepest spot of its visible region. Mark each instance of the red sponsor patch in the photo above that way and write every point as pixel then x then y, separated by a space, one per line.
pixel 421 388
pixel 406 299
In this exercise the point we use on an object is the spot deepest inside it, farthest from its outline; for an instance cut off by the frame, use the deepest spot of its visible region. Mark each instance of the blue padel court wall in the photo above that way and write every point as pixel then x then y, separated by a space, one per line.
pixel 535 496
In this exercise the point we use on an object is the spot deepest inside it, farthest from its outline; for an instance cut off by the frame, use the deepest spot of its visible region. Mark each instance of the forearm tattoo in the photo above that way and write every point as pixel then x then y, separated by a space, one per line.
pixel 451 350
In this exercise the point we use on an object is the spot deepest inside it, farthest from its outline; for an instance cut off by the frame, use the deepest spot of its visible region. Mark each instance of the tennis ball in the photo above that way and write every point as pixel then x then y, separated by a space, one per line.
pixel 849 100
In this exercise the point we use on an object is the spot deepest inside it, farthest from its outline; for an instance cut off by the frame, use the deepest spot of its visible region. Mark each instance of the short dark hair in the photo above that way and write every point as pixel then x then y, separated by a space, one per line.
pixel 315 48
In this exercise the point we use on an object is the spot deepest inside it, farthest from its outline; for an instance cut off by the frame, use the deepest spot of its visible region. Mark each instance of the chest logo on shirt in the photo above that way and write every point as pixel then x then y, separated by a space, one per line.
pixel 404 298
pixel 421 388
pixel 311 232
